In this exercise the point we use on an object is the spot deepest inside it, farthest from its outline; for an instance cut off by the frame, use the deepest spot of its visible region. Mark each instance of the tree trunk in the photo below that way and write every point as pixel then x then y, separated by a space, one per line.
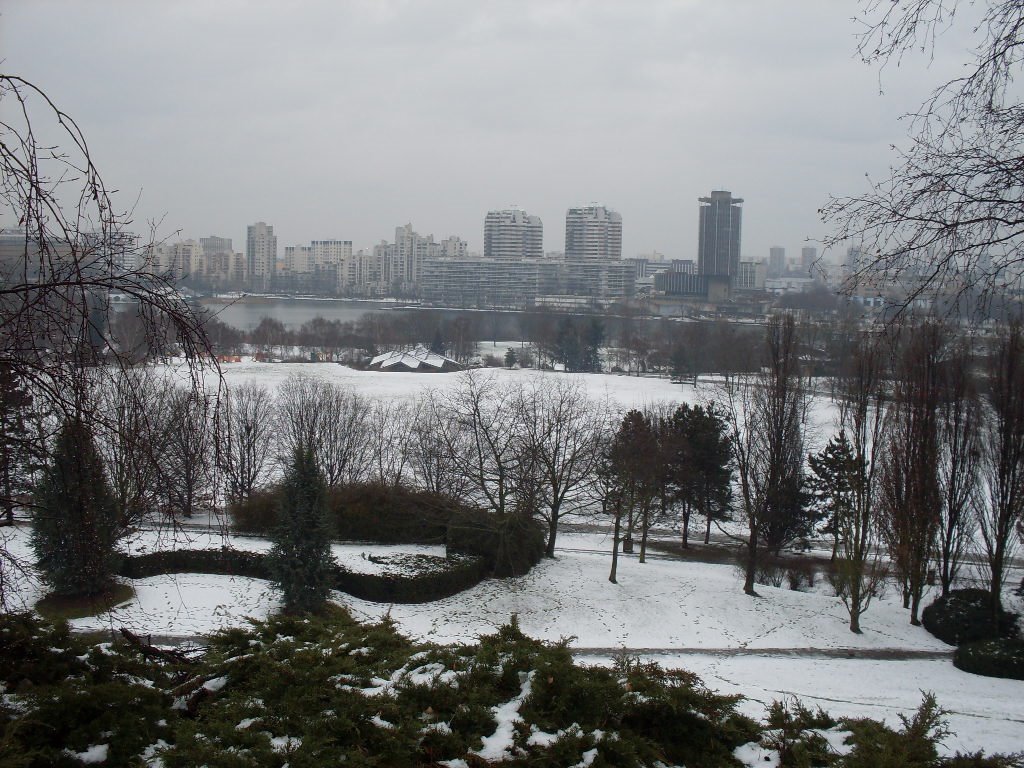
pixel 748 583
pixel 686 526
pixel 615 547
pixel 645 524
pixel 915 604
pixel 552 533
pixel 707 530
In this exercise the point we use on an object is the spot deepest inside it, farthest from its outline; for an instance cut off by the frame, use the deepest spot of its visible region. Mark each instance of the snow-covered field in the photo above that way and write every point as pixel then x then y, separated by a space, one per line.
pixel 681 614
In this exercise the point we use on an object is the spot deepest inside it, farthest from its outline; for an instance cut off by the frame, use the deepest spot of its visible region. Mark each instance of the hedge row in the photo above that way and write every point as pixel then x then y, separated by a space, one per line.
pixel 1002 657
pixel 360 512
pixel 965 616
pixel 509 546
pixel 461 574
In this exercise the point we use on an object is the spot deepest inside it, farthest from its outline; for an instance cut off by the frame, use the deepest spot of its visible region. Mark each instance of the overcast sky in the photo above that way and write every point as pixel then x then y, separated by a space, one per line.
pixel 342 120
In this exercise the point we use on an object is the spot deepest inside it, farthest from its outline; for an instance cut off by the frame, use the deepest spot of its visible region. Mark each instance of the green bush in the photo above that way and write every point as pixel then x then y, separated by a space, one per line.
pixel 509 546
pixel 389 514
pixel 999 657
pixel 256 515
pixel 965 616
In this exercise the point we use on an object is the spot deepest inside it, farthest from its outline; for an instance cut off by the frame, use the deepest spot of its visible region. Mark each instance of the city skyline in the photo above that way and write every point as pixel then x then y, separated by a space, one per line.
pixel 470 107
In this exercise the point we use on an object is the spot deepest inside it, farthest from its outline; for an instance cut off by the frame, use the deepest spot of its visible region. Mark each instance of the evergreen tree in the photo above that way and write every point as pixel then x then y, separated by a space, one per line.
pixel 301 558
pixel 19 457
pixel 832 484
pixel 75 525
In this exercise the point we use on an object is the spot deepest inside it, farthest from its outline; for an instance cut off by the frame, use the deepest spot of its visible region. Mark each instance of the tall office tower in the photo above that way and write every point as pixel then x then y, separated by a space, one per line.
pixel 808 255
pixel 261 255
pixel 776 261
pixel 513 235
pixel 593 232
pixel 718 245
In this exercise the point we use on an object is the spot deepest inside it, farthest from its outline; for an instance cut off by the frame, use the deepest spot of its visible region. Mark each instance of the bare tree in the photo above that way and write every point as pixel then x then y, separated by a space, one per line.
pixel 483 443
pixel 860 572
pixel 73 252
pixel 435 444
pixel 948 220
pixel 560 431
pixel 1002 517
pixel 959 461
pixel 246 445
pixel 186 464
pixel 910 483
pixel 329 420
pixel 765 414
pixel 132 439
pixel 391 439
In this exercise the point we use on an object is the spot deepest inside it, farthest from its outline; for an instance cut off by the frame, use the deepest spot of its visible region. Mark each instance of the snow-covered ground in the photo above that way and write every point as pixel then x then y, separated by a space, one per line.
pixel 682 614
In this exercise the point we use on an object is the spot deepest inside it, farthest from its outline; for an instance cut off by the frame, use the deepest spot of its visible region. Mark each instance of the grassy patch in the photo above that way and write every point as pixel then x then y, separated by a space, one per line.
pixel 56 607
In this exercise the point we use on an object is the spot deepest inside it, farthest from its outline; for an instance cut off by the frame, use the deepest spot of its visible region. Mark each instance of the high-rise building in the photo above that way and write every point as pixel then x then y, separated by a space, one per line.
pixel 718 245
pixel 592 232
pixel 513 235
pixel 261 255
pixel 213 245
pixel 776 261
pixel 808 255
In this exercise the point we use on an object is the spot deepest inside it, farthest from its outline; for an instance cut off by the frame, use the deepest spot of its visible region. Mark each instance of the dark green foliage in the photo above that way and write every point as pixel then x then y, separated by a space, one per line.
pixel 324 690
pixel 300 560
pixel 70 696
pixel 914 746
pixel 75 520
pixel 19 452
pixel 256 514
pixel 389 514
pixel 360 512
pixel 833 484
pixel 965 616
pixel 509 545
pixel 794 734
pixel 1001 657
pixel 432 578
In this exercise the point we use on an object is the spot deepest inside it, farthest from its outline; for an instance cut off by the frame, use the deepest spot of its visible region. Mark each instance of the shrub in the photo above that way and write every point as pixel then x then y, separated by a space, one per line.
pixel 965 616
pixel 510 546
pixel 256 515
pixel 999 657
pixel 389 514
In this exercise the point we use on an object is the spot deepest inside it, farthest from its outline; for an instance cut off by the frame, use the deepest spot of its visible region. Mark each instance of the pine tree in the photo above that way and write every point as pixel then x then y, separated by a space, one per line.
pixel 75 524
pixel 301 558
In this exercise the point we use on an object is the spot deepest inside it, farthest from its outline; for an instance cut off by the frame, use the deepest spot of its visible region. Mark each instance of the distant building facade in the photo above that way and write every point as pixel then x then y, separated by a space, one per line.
pixel 718 243
pixel 512 235
pixel 261 255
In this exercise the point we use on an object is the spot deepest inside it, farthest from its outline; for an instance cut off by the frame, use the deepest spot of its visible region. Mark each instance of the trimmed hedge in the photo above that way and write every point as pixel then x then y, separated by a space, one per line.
pixel 389 514
pixel 361 512
pixel 399 515
pixel 460 574
pixel 965 616
pixel 1001 657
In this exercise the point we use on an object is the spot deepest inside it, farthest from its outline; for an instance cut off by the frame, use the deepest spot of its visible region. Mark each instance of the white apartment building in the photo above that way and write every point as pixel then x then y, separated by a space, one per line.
pixel 593 232
pixel 261 255
pixel 513 235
